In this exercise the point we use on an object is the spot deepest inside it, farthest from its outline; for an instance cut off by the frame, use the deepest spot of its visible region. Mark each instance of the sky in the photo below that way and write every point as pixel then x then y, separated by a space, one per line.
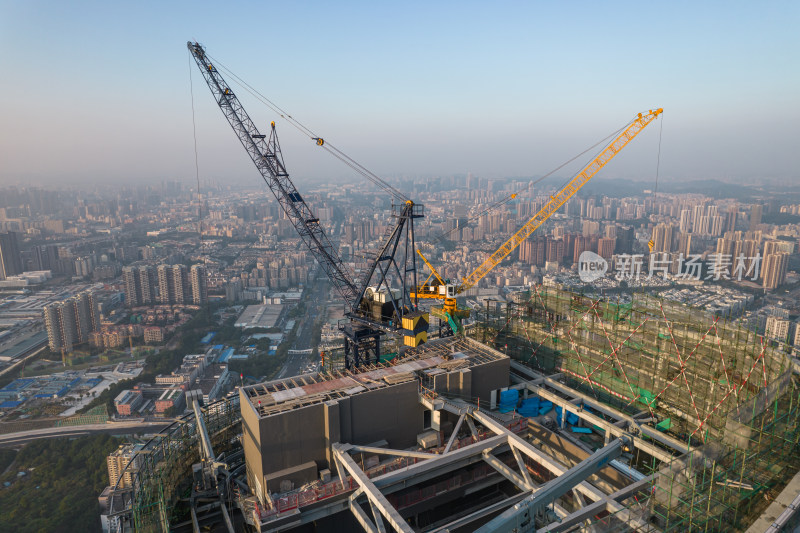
pixel 102 92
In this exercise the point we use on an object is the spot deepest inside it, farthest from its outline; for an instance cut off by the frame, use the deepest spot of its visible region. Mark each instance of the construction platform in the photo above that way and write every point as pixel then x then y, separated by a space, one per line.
pixel 560 413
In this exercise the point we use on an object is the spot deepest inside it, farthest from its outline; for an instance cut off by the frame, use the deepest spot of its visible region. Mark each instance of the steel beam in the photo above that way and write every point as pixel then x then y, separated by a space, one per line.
pixel 613 428
pixel 389 451
pixel 362 518
pixel 505 471
pixel 227 517
pixel 523 514
pixel 455 433
pixel 543 459
pixel 370 490
pixel 428 469
pixel 377 515
pixel 489 509
pixel 205 441
pixel 522 468
pixel 597 507
pixel 647 447
pixel 610 411
pixel 472 427
pixel 195 524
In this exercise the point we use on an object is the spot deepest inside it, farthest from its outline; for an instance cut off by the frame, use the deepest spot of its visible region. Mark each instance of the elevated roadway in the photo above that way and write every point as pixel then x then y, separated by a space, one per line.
pixel 115 428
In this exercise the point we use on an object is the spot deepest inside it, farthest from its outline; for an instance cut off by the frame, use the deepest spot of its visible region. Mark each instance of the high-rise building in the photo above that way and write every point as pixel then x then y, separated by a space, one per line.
pixel 716 225
pixel 730 223
pixel 140 285
pixel 774 270
pixel 580 247
pixel 725 257
pixel 625 238
pixel 555 250
pixel 697 215
pixel 605 248
pixel 685 244
pixel 662 238
pixel 59 319
pixel 774 247
pixel 118 460
pixel 173 284
pixel 199 284
pixel 10 258
pixel 71 321
pixel 756 210
pixel 778 328
pixel 686 221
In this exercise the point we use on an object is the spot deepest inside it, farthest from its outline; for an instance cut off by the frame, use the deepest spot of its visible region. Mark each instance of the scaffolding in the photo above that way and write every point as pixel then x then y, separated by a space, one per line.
pixel 162 470
pixel 709 382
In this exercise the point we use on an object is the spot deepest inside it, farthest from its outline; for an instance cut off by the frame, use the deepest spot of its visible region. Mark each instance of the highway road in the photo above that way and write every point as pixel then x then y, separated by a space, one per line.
pixel 118 428
pixel 315 307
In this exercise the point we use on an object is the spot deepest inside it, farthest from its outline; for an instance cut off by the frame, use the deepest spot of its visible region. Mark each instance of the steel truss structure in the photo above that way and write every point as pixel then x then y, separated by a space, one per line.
pixel 714 408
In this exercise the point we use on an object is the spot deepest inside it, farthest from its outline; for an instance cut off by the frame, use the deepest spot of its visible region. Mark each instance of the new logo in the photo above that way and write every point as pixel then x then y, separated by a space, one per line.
pixel 591 267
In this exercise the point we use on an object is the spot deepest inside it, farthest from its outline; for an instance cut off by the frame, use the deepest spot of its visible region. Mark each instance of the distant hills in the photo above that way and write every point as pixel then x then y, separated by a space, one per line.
pixel 707 187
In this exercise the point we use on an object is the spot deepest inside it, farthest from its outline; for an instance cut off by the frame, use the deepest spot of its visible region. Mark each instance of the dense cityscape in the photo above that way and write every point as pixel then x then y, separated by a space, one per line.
pixel 414 268
pixel 104 293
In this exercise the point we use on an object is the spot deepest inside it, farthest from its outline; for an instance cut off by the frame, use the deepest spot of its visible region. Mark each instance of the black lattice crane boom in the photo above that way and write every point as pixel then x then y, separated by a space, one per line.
pixel 266 155
pixel 368 320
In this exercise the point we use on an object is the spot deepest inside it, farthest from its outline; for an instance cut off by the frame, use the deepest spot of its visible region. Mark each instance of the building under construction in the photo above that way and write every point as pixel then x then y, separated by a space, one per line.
pixel 559 412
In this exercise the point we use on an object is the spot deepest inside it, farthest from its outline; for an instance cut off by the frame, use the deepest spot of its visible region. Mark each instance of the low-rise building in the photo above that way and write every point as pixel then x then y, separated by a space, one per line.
pixel 173 397
pixel 127 402
pixel 153 334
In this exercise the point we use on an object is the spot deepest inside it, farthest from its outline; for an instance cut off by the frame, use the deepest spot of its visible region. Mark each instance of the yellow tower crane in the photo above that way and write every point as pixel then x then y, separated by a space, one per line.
pixel 448 292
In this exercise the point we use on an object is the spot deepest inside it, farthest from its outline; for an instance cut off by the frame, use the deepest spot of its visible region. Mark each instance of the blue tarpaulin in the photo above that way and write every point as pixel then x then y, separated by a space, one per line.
pixel 572 418
pixel 530 407
pixel 508 400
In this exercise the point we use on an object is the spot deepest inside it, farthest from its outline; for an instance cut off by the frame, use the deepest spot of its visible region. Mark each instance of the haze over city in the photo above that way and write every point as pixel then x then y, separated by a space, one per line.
pixel 101 91
pixel 491 267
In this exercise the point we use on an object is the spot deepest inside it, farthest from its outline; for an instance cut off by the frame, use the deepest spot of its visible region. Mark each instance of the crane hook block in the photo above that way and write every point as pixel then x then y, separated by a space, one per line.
pixel 320 140
pixel 513 196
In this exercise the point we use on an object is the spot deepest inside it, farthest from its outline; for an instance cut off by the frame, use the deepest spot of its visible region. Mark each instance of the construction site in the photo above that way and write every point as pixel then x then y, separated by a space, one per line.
pixel 553 411
pixel 573 414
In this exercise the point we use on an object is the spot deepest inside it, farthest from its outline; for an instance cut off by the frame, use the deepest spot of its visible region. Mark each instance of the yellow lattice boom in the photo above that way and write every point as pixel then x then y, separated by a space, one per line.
pixel 575 184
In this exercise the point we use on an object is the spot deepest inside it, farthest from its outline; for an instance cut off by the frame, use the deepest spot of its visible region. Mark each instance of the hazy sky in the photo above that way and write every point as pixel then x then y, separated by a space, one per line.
pixel 100 91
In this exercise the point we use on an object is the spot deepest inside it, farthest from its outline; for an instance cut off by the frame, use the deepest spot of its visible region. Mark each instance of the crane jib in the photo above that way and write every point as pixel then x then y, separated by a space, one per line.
pixel 560 198
pixel 267 159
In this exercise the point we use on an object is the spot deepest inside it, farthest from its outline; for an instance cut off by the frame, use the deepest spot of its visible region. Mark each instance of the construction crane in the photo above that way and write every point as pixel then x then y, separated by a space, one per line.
pixel 441 290
pixel 373 305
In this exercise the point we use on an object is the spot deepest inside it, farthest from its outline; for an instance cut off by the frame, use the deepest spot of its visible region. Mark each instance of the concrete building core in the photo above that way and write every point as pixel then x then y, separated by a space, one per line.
pixel 289 425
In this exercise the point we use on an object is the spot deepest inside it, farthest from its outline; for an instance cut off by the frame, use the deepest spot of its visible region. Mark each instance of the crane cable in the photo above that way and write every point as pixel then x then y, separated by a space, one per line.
pixel 328 147
pixel 658 160
pixel 196 163
pixel 503 201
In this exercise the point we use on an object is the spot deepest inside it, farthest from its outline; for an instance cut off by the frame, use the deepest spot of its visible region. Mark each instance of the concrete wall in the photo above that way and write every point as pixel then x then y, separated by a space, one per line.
pixel 286 440
pixel 251 442
pixel 393 414
pixel 488 377
pixel 292 438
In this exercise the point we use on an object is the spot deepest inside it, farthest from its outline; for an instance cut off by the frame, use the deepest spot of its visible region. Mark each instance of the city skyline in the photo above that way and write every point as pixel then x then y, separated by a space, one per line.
pixel 444 89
